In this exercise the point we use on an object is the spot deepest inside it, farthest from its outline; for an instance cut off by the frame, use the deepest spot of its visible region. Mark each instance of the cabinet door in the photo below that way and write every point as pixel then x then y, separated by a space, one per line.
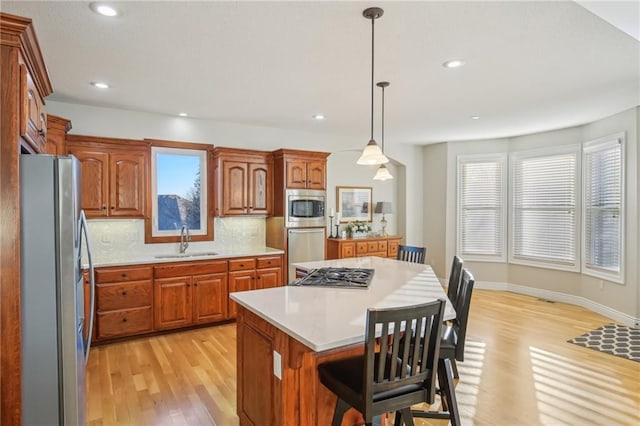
pixel 258 190
pixel 209 298
pixel 33 124
pixel 316 174
pixel 127 184
pixel 392 248
pixel 268 278
pixel 172 302
pixel 347 250
pixel 234 191
pixel 94 184
pixel 296 174
pixel 240 281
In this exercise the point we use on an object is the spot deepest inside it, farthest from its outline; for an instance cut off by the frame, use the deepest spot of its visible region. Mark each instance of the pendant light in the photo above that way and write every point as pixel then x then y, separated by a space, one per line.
pixel 382 173
pixel 372 154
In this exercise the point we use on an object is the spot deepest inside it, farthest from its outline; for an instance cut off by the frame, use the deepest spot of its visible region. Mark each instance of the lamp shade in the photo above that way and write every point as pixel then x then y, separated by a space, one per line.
pixel 383 173
pixel 372 154
pixel 383 207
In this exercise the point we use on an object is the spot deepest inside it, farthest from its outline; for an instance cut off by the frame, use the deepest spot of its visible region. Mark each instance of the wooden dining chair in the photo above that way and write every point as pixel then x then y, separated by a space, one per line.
pixel 454 280
pixel 387 379
pixel 411 253
pixel 452 350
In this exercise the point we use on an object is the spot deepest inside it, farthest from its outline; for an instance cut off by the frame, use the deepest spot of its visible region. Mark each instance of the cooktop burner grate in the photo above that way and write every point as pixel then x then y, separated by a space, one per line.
pixel 337 277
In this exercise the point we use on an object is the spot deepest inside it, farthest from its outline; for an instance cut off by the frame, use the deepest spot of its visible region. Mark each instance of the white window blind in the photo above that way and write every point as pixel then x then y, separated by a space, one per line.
pixel 602 208
pixel 481 212
pixel 544 217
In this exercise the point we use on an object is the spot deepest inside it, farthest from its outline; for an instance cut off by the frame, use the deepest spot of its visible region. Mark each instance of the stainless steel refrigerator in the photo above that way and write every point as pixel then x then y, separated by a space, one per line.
pixel 54 350
pixel 304 245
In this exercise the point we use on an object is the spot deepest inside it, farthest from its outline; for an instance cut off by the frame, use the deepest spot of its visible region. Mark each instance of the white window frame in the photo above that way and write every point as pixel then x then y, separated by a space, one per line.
pixel 202 155
pixel 598 145
pixel 481 158
pixel 547 152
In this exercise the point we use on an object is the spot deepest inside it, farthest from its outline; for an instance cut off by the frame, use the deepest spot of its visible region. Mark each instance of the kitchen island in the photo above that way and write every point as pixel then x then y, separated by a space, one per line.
pixel 285 333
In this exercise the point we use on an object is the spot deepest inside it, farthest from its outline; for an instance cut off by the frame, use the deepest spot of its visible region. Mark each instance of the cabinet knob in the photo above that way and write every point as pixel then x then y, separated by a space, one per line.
pixel 124 275
pixel 124 319
pixel 188 285
pixel 113 208
pixel 242 265
pixel 124 293
pixel 104 207
pixel 41 132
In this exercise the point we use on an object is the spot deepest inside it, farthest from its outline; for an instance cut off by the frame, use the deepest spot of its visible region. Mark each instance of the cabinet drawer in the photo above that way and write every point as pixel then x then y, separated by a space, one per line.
pixel 269 262
pixel 122 274
pixel 362 248
pixel 382 246
pixel 372 246
pixel 243 264
pixel 124 322
pixel 190 268
pixel 123 296
pixel 347 250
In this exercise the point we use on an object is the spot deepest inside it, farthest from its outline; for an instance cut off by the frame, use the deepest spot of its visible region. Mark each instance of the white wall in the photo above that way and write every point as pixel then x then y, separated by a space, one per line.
pixel 622 298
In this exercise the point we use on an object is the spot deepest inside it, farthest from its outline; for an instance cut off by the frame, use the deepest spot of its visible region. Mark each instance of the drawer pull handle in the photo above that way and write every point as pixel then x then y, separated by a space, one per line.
pixel 124 275
pixel 124 319
pixel 124 293
pixel 104 207
pixel 242 265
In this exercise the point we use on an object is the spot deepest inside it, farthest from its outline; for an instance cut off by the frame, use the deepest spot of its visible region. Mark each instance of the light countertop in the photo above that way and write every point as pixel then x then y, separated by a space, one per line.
pixel 326 318
pixel 190 255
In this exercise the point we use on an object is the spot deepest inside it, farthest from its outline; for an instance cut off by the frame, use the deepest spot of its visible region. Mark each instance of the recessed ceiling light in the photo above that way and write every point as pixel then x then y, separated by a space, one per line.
pixel 453 63
pixel 100 85
pixel 103 9
pixel 183 114
pixel 475 117
pixel 318 116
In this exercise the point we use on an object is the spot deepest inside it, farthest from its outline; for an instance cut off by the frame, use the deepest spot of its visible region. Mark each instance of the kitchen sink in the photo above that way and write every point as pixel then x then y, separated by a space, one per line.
pixel 184 255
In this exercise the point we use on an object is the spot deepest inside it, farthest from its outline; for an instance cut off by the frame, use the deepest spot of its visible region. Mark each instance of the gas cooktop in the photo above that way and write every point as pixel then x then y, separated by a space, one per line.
pixel 337 277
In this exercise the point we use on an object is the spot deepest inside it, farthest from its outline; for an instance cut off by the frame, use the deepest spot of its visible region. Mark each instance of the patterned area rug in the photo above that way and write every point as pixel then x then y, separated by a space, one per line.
pixel 613 339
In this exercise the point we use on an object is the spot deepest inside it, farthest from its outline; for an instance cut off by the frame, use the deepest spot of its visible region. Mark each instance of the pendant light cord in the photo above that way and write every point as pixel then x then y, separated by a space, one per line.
pixel 382 141
pixel 372 62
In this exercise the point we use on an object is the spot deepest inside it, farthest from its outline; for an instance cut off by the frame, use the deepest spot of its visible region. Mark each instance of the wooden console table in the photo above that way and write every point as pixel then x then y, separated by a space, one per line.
pixel 339 248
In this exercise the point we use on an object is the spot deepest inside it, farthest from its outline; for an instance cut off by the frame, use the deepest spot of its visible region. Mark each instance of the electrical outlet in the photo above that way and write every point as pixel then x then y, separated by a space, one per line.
pixel 277 365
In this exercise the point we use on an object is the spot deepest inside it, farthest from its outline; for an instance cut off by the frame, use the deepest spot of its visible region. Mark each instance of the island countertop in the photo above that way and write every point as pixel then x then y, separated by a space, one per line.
pixel 325 318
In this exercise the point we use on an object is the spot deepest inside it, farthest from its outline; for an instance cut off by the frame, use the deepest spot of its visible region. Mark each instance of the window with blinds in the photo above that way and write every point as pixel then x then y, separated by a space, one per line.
pixel 481 212
pixel 544 221
pixel 603 208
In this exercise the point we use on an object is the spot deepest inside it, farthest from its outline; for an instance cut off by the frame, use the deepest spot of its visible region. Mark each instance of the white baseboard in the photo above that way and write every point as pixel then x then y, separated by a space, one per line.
pixel 617 316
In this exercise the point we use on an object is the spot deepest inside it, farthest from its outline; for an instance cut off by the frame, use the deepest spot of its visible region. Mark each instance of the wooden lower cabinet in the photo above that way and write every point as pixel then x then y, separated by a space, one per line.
pixel 252 274
pixel 338 248
pixel 189 293
pixel 296 397
pixel 139 299
pixel 123 301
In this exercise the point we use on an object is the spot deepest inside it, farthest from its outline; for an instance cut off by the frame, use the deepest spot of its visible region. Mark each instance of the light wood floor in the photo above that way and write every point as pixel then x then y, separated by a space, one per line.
pixel 519 370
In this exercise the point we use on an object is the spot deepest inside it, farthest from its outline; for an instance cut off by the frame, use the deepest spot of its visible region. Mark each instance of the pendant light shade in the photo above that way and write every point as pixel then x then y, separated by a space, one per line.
pixel 372 153
pixel 383 173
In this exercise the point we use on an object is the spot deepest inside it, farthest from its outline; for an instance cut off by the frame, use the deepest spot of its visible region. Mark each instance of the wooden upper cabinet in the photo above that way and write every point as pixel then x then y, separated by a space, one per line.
pixel 126 181
pixel 306 174
pixel 243 180
pixel 33 126
pixel 57 128
pixel 295 169
pixel 94 183
pixel 113 176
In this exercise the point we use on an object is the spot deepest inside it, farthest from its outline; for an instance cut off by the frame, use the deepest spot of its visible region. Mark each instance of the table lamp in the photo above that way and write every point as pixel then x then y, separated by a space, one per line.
pixel 383 207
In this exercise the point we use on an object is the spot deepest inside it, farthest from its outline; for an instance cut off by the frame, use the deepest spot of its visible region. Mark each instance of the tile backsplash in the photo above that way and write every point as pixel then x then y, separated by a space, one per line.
pixel 121 238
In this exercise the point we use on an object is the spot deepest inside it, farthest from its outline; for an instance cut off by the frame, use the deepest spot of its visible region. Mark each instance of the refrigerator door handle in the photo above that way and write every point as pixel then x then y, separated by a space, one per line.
pixel 92 284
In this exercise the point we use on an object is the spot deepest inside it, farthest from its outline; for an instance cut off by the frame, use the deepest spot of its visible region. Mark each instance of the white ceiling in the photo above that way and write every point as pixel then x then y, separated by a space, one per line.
pixel 530 66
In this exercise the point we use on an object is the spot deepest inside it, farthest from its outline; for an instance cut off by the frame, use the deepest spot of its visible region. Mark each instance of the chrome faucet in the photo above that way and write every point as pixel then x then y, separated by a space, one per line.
pixel 184 238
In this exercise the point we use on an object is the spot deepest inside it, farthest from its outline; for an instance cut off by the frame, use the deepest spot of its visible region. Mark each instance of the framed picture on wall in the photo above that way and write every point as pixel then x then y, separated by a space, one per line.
pixel 354 203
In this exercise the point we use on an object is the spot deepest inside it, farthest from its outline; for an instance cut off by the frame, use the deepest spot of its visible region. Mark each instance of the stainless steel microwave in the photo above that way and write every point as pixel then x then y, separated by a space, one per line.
pixel 305 208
